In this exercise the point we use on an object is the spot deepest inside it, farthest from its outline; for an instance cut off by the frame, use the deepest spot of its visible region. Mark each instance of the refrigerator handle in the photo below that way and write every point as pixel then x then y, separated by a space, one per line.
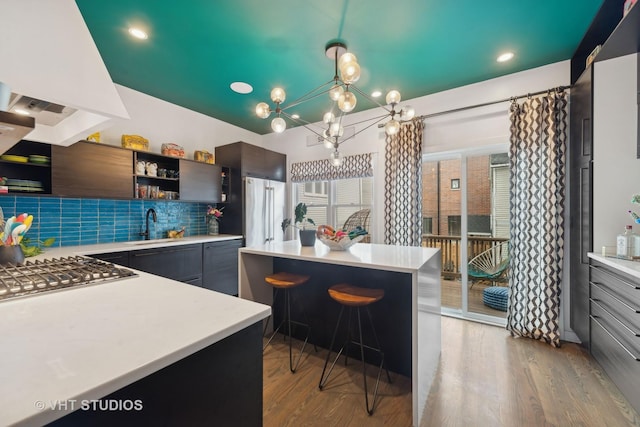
pixel 270 220
pixel 265 220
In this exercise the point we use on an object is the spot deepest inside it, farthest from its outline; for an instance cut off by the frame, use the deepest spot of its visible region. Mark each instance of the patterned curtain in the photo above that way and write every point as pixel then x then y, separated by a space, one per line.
pixel 537 189
pixel 403 185
pixel 356 166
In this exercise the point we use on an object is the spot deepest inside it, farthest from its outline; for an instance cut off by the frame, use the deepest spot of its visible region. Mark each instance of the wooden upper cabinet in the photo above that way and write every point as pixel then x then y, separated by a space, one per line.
pixel 200 182
pixel 87 169
pixel 252 160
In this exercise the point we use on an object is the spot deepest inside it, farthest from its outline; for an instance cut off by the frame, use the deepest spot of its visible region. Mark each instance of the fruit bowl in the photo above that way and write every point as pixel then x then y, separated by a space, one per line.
pixel 339 241
pixel 340 245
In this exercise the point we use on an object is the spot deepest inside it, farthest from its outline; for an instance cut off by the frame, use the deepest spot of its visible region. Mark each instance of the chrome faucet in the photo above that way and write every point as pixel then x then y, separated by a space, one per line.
pixel 151 212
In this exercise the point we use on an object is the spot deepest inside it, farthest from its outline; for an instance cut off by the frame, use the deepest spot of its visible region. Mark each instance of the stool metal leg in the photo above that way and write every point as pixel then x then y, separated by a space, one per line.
pixel 287 319
pixel 370 406
pixel 275 330
pixel 323 379
pixel 375 336
pixel 364 371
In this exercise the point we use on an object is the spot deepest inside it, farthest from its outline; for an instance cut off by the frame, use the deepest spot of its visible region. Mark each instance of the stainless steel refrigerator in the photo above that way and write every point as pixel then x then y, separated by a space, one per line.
pixel 263 210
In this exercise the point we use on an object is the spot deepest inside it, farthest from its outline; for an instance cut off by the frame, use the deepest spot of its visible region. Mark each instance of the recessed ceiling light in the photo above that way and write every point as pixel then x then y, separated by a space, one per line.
pixel 376 93
pixel 505 57
pixel 21 111
pixel 241 87
pixel 138 33
pixel 295 116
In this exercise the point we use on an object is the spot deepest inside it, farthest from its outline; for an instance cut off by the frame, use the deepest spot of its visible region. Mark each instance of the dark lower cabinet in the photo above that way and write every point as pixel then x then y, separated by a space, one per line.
pixel 220 385
pixel 211 265
pixel 120 258
pixel 220 266
pixel 615 327
pixel 182 263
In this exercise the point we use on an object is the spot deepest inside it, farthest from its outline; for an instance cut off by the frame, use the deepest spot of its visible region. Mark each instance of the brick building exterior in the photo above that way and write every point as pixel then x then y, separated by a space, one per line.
pixel 441 193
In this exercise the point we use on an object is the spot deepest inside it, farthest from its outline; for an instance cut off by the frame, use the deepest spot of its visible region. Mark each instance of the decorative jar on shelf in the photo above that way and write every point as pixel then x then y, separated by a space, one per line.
pixel 213 227
pixel 213 215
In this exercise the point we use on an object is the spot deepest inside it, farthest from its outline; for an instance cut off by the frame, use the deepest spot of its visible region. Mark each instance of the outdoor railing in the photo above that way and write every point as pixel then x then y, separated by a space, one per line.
pixel 450 250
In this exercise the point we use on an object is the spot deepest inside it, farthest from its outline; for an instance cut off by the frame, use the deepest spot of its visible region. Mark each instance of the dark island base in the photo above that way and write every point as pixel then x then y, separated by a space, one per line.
pixel 391 315
pixel 219 385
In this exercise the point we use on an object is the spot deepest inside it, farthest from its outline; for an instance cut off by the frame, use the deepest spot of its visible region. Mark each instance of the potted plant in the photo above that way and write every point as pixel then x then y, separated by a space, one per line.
pixel 301 222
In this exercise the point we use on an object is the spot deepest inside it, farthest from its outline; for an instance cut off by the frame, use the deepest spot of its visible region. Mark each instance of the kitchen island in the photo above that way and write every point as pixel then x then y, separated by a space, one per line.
pixel 144 350
pixel 408 321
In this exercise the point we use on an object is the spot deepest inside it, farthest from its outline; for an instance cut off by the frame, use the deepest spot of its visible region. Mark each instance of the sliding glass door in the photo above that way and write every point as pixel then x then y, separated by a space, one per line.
pixel 466 215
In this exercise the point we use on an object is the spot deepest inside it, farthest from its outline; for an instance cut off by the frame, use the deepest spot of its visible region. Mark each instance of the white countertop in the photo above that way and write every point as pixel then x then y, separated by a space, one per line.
pixel 87 342
pixel 629 267
pixel 130 246
pixel 367 255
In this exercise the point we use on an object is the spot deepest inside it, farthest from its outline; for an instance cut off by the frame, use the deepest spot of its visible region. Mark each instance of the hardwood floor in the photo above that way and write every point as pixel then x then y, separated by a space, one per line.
pixel 485 378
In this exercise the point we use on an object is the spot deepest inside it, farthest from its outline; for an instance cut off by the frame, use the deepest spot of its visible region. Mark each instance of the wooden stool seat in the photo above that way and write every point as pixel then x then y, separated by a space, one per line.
pixel 355 296
pixel 286 280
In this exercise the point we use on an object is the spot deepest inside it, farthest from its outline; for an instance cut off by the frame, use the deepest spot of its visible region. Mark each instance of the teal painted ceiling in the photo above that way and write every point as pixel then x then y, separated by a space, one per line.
pixel 197 48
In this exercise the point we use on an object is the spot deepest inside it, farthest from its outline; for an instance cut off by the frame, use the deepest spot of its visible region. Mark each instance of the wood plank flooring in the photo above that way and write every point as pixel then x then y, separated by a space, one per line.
pixel 485 378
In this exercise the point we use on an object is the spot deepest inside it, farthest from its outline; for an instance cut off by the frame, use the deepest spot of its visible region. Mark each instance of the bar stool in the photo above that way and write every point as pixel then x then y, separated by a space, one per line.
pixel 355 297
pixel 286 282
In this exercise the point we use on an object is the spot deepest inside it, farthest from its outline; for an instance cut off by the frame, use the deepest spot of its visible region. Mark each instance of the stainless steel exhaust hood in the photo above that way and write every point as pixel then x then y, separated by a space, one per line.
pixel 14 127
pixel 44 112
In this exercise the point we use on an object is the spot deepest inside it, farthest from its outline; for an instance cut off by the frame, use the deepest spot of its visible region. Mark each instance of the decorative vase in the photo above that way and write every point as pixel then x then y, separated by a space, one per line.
pixel 213 228
pixel 307 237
pixel 11 254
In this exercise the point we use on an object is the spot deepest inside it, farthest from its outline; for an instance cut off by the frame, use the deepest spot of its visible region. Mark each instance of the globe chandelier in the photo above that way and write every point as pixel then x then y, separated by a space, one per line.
pixel 342 93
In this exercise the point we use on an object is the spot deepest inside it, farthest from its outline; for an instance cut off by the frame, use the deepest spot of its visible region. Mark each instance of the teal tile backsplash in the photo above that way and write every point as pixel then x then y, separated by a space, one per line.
pixel 90 221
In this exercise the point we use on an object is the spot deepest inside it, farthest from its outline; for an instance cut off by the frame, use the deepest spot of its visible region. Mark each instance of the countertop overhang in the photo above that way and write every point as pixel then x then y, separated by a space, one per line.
pixel 626 266
pixel 369 255
pixel 84 343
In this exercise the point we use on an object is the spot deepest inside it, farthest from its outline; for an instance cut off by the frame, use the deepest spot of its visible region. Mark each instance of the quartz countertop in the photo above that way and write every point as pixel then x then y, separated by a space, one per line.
pixel 84 343
pixel 133 245
pixel 367 255
pixel 626 266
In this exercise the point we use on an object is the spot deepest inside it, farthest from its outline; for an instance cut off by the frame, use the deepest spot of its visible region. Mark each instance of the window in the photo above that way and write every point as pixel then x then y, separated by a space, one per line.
pixel 333 202
pixel 427 224
pixel 318 188
pixel 455 184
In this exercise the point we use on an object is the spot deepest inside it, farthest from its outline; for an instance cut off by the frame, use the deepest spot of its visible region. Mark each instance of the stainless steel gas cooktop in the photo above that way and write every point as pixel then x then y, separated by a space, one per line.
pixel 37 277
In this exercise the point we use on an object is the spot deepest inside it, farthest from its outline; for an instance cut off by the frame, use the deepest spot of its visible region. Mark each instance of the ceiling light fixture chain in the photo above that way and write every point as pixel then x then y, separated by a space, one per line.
pixel 342 92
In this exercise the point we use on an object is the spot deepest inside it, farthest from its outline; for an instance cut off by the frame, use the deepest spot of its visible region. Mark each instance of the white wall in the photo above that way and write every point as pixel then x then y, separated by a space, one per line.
pixel 616 170
pixel 473 128
pixel 162 122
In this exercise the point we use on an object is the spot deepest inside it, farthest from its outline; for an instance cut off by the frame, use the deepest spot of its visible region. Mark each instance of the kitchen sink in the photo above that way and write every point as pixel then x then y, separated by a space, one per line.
pixel 152 241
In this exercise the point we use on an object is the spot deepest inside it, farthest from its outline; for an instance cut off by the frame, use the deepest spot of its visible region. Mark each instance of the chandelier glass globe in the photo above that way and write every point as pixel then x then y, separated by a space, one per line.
pixel 392 127
pixel 347 102
pixel 262 110
pixel 336 158
pixel 278 125
pixel 407 113
pixel 336 129
pixel 393 97
pixel 278 95
pixel 335 92
pixel 328 117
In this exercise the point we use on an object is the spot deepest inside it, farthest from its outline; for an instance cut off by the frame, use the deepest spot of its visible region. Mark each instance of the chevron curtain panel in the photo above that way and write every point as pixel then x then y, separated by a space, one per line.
pixel 537 157
pixel 403 185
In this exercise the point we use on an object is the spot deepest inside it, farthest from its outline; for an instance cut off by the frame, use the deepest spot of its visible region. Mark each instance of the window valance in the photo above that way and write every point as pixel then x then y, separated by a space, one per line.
pixel 356 166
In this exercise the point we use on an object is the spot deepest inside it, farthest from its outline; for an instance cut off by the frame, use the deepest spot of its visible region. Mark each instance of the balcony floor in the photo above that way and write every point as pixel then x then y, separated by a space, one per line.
pixel 452 297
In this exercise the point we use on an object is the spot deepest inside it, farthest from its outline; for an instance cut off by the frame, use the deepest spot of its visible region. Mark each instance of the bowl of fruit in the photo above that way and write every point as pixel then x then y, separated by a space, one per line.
pixel 340 240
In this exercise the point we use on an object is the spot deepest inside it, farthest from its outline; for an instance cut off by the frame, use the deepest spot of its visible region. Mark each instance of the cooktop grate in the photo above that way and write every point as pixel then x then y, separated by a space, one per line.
pixel 36 277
